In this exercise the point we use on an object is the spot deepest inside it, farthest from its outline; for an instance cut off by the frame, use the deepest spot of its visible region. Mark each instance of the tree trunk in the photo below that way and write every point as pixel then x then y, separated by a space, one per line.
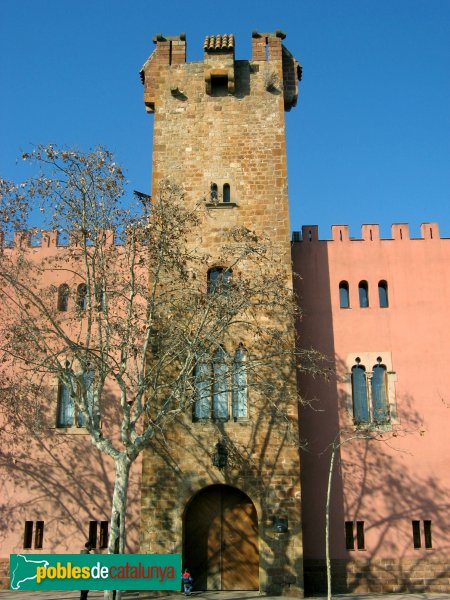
pixel 116 544
pixel 327 522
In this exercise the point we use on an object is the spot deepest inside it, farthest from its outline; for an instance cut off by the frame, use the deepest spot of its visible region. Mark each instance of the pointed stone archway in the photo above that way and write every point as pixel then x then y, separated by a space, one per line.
pixel 221 542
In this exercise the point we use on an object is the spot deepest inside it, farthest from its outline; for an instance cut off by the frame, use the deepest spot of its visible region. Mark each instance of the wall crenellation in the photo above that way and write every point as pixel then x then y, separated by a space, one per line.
pixel 47 239
pixel 369 233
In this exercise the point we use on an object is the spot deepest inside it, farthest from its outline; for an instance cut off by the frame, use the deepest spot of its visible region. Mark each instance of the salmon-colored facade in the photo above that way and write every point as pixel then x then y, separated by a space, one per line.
pixel 379 309
pixel 401 474
pixel 55 486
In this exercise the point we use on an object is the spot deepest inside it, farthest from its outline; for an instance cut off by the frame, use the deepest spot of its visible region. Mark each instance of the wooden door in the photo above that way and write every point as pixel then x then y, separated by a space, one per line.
pixel 221 540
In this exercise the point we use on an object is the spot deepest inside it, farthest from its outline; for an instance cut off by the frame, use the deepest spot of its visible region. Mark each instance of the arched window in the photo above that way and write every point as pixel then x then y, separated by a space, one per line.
pixel 226 192
pixel 383 294
pixel 380 410
pixel 63 297
pixel 202 385
pixel 344 299
pixel 239 390
pixel 214 193
pixel 65 406
pixel 359 394
pixel 363 294
pixel 220 385
pixel 219 280
pixel 82 296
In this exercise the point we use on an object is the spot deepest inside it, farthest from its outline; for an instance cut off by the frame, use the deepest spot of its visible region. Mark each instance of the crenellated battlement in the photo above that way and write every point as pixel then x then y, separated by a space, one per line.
pixel 167 73
pixel 369 233
pixel 48 239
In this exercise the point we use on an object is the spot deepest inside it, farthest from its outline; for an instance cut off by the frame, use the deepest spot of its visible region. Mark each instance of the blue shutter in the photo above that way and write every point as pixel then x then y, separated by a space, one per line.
pixel 88 383
pixel 363 289
pixel 359 392
pixel 202 407
pixel 383 294
pixel 239 393
pixel 65 406
pixel 220 387
pixel 344 301
pixel 379 395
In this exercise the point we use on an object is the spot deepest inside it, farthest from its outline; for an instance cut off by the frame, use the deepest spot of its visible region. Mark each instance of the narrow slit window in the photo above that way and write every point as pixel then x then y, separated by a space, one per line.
pixel 63 297
pixel 214 193
pixel 344 297
pixel 349 537
pixel 360 541
pixel 427 534
pixel 226 193
pixel 93 533
pixel 103 540
pixel 383 294
pixel 363 289
pixel 28 535
pixel 39 535
pixel 416 534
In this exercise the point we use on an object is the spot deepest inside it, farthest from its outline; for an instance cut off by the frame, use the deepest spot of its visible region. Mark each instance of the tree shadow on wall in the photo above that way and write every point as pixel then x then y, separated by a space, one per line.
pixel 262 462
pixel 379 480
pixel 57 476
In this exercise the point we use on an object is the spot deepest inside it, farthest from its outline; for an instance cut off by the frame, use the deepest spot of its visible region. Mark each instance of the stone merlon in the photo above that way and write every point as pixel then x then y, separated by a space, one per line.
pixel 281 71
pixel 369 233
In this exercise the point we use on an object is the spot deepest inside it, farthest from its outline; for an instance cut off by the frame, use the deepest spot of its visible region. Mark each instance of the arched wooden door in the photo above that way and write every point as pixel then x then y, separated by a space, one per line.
pixel 221 540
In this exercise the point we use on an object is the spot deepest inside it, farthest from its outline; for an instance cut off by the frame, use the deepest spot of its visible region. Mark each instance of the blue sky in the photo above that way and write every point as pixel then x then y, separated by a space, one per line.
pixel 369 141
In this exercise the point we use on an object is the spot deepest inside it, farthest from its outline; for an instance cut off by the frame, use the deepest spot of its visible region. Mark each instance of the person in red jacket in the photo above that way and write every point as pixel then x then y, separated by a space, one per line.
pixel 187 582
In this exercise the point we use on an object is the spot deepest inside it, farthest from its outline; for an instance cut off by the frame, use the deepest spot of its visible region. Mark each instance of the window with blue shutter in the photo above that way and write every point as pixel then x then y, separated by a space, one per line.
pixel 88 385
pixel 220 385
pixel 383 294
pixel 202 385
pixel 363 289
pixel 65 406
pixel 380 411
pixel 359 393
pixel 344 298
pixel 239 390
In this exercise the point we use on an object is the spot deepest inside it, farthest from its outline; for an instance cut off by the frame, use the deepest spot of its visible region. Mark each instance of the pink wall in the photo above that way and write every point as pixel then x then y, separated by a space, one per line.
pixel 57 475
pixel 405 476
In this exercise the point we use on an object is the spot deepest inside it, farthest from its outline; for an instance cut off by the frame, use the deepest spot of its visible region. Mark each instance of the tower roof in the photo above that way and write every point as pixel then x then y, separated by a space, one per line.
pixel 219 42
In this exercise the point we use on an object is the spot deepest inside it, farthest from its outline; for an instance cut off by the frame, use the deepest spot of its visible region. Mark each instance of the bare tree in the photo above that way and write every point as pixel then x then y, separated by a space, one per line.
pixel 145 319
pixel 370 434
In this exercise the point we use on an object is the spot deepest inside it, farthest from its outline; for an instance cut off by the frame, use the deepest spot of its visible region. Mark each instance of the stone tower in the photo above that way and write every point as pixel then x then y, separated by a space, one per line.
pixel 219 130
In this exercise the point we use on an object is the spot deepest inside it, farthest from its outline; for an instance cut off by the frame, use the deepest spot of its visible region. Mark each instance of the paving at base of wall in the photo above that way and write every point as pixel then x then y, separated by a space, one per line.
pixel 9 595
pixel 383 576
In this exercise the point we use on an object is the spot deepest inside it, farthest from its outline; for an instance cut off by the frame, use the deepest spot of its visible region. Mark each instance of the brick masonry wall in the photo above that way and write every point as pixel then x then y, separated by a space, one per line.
pixel 386 575
pixel 238 139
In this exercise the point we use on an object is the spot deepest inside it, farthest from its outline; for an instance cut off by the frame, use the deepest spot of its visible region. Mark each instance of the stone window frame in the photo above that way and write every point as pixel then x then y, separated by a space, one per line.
pixel 231 388
pixel 77 427
pixel 220 182
pixel 368 360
